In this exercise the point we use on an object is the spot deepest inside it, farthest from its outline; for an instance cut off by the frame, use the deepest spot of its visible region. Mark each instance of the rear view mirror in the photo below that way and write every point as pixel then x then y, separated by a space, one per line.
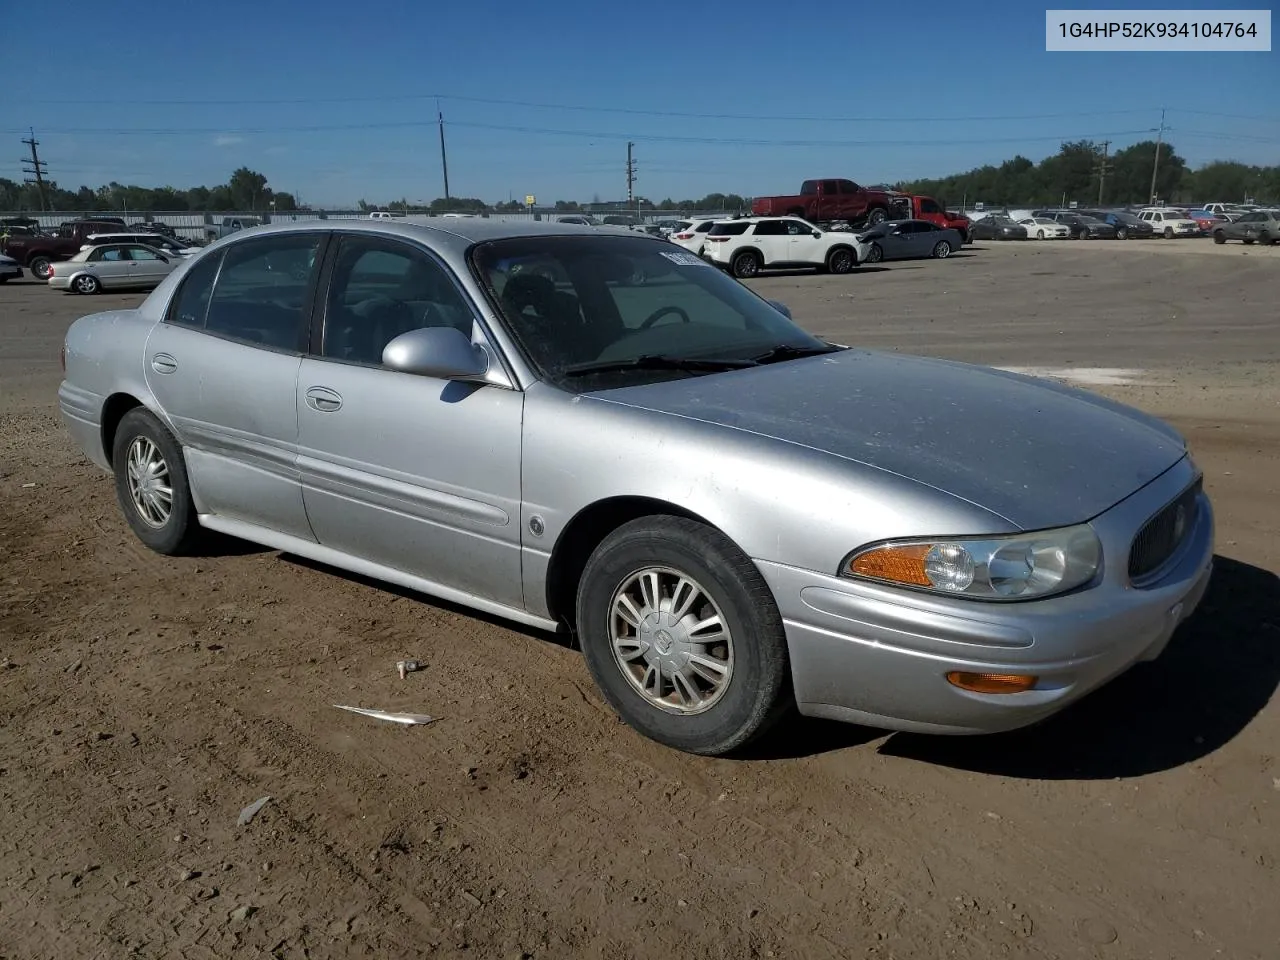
pixel 443 352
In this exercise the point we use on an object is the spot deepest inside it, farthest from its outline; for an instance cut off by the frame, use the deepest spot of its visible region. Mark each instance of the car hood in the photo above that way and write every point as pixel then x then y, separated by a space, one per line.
pixel 1037 453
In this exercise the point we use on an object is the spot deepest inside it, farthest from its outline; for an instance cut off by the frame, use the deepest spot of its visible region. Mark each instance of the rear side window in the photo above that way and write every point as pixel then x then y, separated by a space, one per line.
pixel 262 293
pixel 728 229
pixel 771 228
pixel 191 304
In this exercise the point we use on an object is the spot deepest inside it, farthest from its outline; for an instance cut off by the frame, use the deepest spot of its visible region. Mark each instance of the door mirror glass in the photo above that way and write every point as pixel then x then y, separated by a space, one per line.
pixel 817 233
pixel 443 352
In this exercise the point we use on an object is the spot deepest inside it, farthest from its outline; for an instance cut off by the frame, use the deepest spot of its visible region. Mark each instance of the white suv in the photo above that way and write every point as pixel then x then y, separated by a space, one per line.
pixel 692 233
pixel 748 245
pixel 1169 222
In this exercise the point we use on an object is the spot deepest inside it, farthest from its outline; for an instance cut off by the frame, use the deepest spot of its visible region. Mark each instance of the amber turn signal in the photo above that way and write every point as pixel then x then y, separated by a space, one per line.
pixel 991 682
pixel 904 564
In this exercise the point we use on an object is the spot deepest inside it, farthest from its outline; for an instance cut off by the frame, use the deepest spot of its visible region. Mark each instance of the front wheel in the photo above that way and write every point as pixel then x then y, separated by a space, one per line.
pixel 41 267
pixel 841 261
pixel 1219 237
pixel 746 264
pixel 151 483
pixel 942 250
pixel 682 636
pixel 1168 233
pixel 875 254
pixel 1039 234
pixel 877 216
pixel 1264 238
pixel 1122 234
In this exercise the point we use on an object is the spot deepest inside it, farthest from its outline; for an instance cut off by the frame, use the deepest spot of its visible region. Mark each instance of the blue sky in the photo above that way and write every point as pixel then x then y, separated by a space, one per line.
pixel 918 89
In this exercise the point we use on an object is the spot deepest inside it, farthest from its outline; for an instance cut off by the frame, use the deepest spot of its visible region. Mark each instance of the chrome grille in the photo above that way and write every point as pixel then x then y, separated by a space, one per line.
pixel 1160 537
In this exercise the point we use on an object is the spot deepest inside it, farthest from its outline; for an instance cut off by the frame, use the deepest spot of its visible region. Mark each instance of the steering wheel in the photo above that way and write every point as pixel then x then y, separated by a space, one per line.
pixel 661 312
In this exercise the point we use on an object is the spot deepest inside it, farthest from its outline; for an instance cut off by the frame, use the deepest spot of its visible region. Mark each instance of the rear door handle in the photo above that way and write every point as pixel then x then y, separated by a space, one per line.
pixel 164 363
pixel 323 399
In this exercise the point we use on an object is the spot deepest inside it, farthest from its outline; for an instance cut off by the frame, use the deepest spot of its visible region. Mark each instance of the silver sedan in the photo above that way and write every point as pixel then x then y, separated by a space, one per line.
pixel 112 266
pixel 599 433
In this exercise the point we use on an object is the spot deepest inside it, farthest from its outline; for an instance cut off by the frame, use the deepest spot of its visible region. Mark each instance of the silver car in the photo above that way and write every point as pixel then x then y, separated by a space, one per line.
pixel 599 433
pixel 112 266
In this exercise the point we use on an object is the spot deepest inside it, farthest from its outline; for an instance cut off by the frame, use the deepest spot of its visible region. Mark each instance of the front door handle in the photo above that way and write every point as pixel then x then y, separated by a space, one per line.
pixel 323 399
pixel 164 363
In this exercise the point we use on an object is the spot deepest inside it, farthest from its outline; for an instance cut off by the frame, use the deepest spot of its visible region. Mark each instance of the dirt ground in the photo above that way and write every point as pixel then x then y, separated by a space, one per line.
pixel 145 701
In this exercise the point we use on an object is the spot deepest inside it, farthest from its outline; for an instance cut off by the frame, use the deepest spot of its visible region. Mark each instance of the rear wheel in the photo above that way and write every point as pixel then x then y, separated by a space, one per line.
pixel 40 267
pixel 682 636
pixel 942 250
pixel 1219 237
pixel 151 483
pixel 1265 238
pixel 1122 233
pixel 746 264
pixel 86 283
pixel 841 261
pixel 877 216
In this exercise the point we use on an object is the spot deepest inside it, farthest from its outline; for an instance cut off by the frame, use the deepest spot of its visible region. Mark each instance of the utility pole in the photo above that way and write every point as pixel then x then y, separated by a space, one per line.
pixel 631 175
pixel 1155 166
pixel 37 169
pixel 444 159
pixel 1104 167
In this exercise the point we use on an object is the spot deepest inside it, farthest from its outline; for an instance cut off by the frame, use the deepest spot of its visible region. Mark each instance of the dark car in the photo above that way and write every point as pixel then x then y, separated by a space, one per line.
pixel 997 228
pixel 1262 226
pixel 1082 227
pixel 908 239
pixel 1128 225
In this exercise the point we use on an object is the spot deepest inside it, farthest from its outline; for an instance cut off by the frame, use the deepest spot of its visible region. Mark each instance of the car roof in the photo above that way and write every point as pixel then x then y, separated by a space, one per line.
pixel 459 232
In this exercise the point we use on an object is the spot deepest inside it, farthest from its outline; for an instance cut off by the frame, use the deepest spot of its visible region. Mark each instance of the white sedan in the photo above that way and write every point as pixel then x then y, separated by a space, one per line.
pixel 1042 228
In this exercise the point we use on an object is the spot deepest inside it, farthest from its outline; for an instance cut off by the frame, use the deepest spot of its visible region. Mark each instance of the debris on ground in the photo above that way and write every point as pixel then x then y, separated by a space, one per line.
pixel 405 667
pixel 407 719
pixel 251 811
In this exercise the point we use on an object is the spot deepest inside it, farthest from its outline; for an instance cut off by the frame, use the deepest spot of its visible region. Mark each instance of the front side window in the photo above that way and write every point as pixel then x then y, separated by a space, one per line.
pixel 262 292
pixel 797 228
pixel 142 253
pixel 381 289
pixel 596 300
pixel 929 206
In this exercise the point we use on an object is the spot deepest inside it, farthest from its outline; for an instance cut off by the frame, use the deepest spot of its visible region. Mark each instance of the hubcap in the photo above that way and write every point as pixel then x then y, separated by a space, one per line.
pixel 84 284
pixel 148 477
pixel 670 641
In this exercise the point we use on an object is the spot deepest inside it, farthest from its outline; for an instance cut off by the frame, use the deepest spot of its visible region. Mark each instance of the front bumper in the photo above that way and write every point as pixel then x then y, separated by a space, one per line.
pixel 874 655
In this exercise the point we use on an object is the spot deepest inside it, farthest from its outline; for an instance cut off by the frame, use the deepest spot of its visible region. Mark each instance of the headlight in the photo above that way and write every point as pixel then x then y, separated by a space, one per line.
pixel 1020 567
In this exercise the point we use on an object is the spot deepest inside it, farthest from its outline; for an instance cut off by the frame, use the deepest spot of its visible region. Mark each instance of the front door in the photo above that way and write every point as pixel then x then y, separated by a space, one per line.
pixel 223 365
pixel 804 247
pixel 146 267
pixel 414 473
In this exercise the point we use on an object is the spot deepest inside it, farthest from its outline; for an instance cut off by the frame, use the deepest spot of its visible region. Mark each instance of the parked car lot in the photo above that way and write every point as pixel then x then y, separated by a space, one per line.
pixel 111 650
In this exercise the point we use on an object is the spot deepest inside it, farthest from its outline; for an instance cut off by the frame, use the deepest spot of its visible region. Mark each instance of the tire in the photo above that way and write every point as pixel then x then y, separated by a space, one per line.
pixel 1264 238
pixel 841 260
pixel 941 250
pixel 1039 234
pixel 86 283
pixel 878 215
pixel 1219 237
pixel 1122 233
pixel 40 267
pixel 875 254
pixel 1168 233
pixel 1248 241
pixel 732 713
pixel 746 264
pixel 141 435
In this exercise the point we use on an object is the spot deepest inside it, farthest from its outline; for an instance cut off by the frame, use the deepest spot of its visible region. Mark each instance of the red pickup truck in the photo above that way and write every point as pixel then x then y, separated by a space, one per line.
pixel 38 251
pixel 826 201
pixel 927 208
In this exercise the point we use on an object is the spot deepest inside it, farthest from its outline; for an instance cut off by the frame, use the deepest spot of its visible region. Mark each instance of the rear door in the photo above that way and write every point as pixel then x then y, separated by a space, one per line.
pixel 223 365
pixel 771 238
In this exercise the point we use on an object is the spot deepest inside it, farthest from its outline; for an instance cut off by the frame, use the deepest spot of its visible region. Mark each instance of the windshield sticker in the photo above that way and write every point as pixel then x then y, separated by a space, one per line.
pixel 685 259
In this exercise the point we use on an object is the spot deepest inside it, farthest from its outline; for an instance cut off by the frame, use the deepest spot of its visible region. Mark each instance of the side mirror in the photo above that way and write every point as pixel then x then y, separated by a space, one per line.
pixel 817 233
pixel 443 352
pixel 782 308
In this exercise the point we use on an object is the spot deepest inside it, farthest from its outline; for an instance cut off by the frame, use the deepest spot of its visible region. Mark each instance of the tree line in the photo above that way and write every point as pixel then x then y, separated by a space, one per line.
pixel 1080 171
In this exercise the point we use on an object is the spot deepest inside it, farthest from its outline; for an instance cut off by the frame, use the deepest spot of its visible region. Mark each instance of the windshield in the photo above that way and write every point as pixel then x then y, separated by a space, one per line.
pixel 579 300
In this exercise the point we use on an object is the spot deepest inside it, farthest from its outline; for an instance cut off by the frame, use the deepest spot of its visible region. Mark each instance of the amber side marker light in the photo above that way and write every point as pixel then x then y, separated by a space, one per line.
pixel 991 682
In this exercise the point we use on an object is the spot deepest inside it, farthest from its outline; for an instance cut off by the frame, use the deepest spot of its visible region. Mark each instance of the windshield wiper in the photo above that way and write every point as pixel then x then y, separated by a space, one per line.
pixel 785 351
pixel 656 361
